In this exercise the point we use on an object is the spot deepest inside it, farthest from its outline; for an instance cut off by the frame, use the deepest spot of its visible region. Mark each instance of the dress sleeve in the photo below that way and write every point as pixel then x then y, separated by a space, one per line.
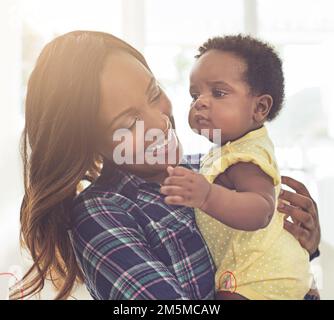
pixel 257 155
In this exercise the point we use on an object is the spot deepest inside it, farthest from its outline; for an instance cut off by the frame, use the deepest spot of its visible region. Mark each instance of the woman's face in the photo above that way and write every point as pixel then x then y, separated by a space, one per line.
pixel 135 119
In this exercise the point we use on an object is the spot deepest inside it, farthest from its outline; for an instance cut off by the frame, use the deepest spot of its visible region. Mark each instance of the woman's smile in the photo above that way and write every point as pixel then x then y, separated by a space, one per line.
pixel 168 146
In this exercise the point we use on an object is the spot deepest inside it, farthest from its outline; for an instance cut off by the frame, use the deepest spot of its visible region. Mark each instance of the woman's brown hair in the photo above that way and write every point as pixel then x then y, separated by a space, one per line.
pixel 58 149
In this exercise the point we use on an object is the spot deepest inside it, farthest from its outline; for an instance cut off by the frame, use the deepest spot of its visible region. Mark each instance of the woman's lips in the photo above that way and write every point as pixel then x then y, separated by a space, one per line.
pixel 164 145
pixel 169 145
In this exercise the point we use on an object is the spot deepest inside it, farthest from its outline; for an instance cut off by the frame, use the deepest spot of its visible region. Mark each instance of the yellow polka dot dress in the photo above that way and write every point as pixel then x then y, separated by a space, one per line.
pixel 265 264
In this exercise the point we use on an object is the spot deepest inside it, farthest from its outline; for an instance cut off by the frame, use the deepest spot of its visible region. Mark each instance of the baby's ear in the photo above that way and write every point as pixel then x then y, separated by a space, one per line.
pixel 262 108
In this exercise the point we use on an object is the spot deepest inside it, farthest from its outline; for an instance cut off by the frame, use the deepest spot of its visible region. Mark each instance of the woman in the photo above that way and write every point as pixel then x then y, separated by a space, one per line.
pixel 118 235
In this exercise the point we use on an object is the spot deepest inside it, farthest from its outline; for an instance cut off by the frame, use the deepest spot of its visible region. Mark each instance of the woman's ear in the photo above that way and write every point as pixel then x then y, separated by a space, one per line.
pixel 262 108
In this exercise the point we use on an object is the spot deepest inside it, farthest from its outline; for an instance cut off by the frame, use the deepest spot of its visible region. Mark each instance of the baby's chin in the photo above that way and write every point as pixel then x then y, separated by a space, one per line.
pixel 213 135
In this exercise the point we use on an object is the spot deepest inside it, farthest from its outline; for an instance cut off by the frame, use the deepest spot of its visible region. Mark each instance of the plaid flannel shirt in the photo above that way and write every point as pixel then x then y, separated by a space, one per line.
pixel 129 244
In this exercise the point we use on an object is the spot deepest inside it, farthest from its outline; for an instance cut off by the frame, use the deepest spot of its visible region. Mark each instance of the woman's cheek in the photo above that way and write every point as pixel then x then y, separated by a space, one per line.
pixel 165 104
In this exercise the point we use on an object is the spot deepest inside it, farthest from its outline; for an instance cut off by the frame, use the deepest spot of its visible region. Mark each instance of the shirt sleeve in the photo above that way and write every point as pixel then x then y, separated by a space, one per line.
pixel 115 257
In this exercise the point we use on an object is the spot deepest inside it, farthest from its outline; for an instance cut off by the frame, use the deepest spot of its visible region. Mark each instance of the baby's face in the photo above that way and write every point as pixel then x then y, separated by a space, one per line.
pixel 221 97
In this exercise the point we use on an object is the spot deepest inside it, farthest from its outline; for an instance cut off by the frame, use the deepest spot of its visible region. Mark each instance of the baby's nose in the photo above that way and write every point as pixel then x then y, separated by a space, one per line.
pixel 202 102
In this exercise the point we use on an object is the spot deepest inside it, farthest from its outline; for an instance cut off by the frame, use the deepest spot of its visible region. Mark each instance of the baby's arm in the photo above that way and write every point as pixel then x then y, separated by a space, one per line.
pixel 250 207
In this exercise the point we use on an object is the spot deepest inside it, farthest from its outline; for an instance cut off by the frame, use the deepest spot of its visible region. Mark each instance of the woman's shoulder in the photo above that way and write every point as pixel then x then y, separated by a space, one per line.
pixel 95 203
pixel 89 192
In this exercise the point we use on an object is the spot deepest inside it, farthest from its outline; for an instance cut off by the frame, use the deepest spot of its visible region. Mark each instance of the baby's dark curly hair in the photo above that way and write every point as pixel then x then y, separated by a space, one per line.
pixel 264 72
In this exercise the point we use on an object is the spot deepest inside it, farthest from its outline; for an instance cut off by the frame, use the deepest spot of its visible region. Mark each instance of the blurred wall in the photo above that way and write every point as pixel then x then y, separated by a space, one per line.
pixel 11 188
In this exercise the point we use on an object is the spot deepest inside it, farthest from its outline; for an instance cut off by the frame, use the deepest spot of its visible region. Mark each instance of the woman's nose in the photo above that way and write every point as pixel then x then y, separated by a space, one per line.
pixel 157 120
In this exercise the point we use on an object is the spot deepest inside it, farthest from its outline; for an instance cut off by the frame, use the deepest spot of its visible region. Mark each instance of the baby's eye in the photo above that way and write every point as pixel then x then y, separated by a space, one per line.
pixel 194 96
pixel 217 93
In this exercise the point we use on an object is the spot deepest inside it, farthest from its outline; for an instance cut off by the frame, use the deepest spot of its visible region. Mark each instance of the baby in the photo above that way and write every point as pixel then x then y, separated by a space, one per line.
pixel 237 85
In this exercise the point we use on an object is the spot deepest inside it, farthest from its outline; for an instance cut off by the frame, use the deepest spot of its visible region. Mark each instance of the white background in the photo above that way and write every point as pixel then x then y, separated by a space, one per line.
pixel 168 33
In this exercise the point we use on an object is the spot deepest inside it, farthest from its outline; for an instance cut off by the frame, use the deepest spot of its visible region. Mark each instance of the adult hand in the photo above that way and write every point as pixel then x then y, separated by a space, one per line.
pixel 304 213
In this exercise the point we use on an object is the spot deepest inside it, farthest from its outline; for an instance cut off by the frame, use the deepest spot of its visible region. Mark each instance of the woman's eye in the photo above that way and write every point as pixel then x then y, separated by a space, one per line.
pixel 157 94
pixel 218 93
pixel 133 123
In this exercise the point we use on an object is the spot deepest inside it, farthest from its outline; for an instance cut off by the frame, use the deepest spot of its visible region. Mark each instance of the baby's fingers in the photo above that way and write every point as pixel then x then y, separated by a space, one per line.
pixel 179 171
pixel 175 200
pixel 176 181
pixel 171 190
pixel 174 195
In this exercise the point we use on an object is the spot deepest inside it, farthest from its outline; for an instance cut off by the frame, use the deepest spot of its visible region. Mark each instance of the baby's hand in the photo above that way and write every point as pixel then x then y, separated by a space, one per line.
pixel 185 187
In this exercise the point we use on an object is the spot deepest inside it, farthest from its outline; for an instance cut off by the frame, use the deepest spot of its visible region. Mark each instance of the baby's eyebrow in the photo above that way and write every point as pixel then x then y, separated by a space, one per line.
pixel 219 82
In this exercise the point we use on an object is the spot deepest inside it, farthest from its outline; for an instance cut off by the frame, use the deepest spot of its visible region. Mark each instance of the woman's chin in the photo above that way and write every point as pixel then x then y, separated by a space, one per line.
pixel 174 158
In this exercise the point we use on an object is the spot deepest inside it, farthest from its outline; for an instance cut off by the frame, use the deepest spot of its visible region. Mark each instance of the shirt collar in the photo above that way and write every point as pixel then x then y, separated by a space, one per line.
pixel 126 183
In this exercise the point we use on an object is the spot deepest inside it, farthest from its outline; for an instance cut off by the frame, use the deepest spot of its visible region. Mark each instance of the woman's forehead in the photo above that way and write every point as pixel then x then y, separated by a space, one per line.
pixel 122 69
pixel 124 81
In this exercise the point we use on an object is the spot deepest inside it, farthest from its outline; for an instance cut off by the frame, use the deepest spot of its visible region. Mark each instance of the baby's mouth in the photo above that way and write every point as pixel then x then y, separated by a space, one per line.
pixel 201 120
